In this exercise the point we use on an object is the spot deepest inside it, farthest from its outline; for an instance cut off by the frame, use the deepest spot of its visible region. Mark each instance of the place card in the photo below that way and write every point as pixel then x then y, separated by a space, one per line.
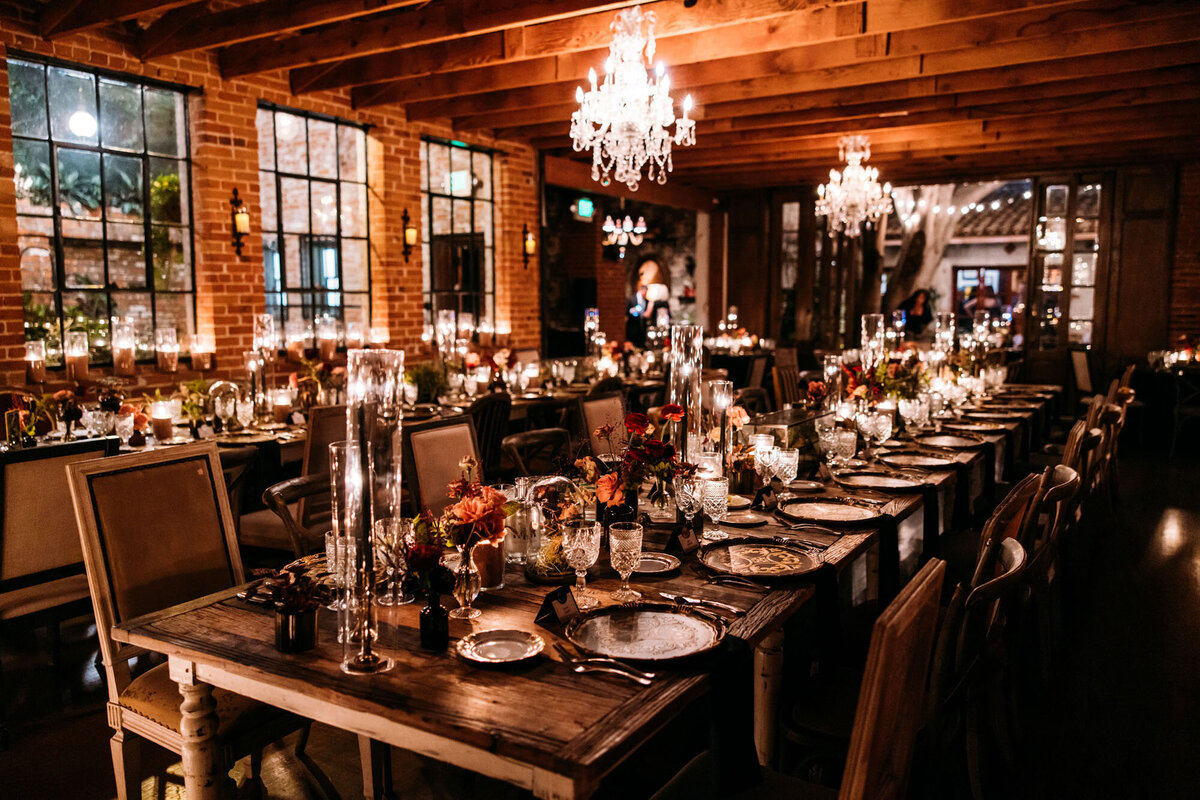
pixel 558 608
pixel 683 539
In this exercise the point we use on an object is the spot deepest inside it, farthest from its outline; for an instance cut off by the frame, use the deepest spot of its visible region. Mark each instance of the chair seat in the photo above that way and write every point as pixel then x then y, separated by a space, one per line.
pixel 156 697
pixel 264 528
pixel 42 596
pixel 698 780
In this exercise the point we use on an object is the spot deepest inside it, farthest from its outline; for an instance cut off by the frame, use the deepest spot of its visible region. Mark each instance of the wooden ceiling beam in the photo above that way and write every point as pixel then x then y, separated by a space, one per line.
pixel 578 175
pixel 745 28
pixel 263 19
pixel 168 28
pixel 62 17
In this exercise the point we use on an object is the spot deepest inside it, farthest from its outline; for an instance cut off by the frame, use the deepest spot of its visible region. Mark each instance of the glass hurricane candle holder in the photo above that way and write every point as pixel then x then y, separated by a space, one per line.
pixel 167 346
pixel 327 338
pixel 686 363
pixel 123 344
pixel 75 355
pixel 354 336
pixel 162 416
pixel 281 405
pixel 35 362
pixel 202 349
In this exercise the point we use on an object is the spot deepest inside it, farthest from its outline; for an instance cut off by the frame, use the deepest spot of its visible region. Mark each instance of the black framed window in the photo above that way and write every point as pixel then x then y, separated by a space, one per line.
pixel 104 213
pixel 458 247
pixel 313 184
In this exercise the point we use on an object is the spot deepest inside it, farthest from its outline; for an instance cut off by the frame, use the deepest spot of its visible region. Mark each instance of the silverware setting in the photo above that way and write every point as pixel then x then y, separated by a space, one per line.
pixel 699 601
pixel 602 664
pixel 734 582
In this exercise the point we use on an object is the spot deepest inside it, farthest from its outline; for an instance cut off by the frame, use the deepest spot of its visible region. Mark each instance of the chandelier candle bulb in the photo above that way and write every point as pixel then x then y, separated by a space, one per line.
pixel 35 361
pixel 75 354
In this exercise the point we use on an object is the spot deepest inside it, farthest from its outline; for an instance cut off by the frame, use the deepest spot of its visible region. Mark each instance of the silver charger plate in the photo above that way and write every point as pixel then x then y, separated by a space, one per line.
pixel 975 426
pixel 919 460
pixel 737 502
pixel 826 510
pixel 877 480
pixel 948 440
pixel 758 558
pixel 746 519
pixel 499 646
pixel 992 415
pixel 656 564
pixel 645 632
pixel 805 486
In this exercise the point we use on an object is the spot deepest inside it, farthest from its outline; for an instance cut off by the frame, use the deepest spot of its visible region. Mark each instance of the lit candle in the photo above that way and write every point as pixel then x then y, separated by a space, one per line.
pixel 378 336
pixel 161 416
pixel 296 339
pixel 354 336
pixel 123 343
pixel 76 355
pixel 202 348
pixel 35 362
pixel 281 404
pixel 327 336
pixel 167 346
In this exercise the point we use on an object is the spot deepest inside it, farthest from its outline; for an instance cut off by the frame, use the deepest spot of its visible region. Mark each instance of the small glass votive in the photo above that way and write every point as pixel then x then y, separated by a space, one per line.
pixel 281 404
pixel 35 362
pixel 75 355
pixel 162 420
pixel 123 341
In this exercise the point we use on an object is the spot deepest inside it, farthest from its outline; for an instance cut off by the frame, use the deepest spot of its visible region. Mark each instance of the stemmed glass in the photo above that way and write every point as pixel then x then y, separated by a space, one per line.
pixel 784 466
pixel 625 553
pixel 687 496
pixel 764 459
pixel 581 546
pixel 845 443
pixel 881 429
pixel 716 506
pixel 245 412
pixel 124 428
pixel 225 407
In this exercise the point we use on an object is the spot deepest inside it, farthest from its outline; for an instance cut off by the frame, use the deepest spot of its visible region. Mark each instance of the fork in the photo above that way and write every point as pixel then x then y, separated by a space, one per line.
pixel 600 661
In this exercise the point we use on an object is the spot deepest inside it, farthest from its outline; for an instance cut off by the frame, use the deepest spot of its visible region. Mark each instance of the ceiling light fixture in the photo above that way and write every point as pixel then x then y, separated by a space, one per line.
pixel 853 196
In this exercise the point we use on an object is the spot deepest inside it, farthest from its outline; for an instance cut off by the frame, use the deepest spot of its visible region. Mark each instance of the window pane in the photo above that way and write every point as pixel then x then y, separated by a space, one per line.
pixel 72 106
pixel 41 322
pixel 322 149
pixel 83 256
pixel 175 311
pixel 168 191
pixel 123 188
pixel 136 307
pixel 267 201
pixel 120 115
pixel 441 216
pixel 295 205
pixel 324 208
pixel 32 177
pixel 172 263
pixel 352 153
pixel 37 262
pixel 88 312
pixel 126 256
pixel 1080 332
pixel 290 147
pixel 79 183
pixel 462 216
pixel 1082 301
pixel 27 96
pixel 271 263
pixel 354 265
pixel 291 262
pixel 265 122
pixel 462 182
pixel 354 209
pixel 164 122
pixel 356 308
pixel 439 168
pixel 1084 271
pixel 1088 202
pixel 482 170
pixel 483 222
pixel 39 226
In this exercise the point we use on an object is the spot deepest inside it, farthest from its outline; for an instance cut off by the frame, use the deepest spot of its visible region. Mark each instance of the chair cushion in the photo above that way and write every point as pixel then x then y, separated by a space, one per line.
pixel 264 528
pixel 41 596
pixel 156 697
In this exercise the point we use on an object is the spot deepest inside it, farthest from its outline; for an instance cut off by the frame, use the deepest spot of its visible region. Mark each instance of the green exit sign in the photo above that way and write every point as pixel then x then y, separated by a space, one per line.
pixel 584 209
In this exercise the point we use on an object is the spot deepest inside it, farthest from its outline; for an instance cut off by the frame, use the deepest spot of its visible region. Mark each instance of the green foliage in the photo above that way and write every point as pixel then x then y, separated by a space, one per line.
pixel 428 379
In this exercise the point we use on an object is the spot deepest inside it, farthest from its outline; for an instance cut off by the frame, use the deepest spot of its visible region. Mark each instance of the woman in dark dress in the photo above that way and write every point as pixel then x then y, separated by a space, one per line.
pixel 917 313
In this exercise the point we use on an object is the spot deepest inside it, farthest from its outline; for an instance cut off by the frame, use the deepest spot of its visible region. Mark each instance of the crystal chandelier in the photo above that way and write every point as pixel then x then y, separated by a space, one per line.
pixel 625 121
pixel 626 233
pixel 853 196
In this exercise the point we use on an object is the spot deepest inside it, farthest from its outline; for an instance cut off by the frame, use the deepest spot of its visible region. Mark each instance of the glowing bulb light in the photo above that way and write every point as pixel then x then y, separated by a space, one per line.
pixel 854 196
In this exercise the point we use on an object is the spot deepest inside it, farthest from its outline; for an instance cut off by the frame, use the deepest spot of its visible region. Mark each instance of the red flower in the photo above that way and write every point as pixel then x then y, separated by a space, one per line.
pixel 472 359
pixel 424 556
pixel 637 424
pixel 672 412
pixel 658 450
pixel 817 391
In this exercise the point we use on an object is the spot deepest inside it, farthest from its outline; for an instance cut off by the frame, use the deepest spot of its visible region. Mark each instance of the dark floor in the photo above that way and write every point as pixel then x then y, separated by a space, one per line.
pixel 1124 721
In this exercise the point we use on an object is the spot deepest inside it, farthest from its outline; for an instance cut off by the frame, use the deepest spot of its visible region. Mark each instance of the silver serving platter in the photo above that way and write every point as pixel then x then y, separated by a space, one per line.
pixel 827 510
pixel 918 460
pixel 948 440
pixel 499 646
pixel 645 632
pixel 656 564
pixel 878 480
pixel 758 558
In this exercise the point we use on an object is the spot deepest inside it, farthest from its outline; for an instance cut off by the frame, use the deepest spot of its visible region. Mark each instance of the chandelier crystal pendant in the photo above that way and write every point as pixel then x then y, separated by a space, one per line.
pixel 627 232
pixel 626 120
pixel 854 195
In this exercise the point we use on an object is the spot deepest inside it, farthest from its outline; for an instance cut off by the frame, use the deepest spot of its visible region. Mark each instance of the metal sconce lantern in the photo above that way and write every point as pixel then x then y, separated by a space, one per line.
pixel 410 235
pixel 240 217
pixel 528 245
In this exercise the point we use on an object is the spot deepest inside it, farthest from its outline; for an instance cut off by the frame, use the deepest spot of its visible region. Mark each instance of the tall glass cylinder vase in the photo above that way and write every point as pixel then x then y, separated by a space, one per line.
pixel 687 362
pixel 374 384
pixel 720 396
pixel 873 340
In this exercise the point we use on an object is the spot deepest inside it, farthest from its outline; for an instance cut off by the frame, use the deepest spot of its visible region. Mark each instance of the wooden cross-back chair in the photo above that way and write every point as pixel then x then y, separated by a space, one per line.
pixel 157 530
pixel 432 453
pixel 490 413
pixel 537 452
pixel 758 372
pixel 786 382
pixel 886 721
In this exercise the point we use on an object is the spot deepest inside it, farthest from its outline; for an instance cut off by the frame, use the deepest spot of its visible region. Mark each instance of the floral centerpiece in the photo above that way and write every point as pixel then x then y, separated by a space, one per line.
pixel 296 596
pixel 901 377
pixel 318 385
pixel 647 461
pixel 68 411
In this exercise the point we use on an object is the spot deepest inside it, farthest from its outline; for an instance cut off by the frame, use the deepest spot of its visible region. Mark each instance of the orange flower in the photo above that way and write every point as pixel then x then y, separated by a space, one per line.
pixel 610 490
pixel 738 416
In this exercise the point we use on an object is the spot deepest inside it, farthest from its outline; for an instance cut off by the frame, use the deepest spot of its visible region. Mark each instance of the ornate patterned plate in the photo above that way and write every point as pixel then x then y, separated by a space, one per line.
pixel 499 647
pixel 805 486
pixel 757 558
pixel 656 563
pixel 826 511
pixel 975 426
pixel 919 460
pixel 746 519
pixel 878 480
pixel 948 440
pixel 645 632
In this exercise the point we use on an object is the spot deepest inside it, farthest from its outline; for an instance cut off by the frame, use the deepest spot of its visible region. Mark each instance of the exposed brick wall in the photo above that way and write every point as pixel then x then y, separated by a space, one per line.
pixel 1185 277
pixel 229 287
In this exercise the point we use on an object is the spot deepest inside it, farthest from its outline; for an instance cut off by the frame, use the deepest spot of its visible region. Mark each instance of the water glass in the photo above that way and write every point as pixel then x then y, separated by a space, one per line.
pixel 709 464
pixel 339 562
pixel 764 459
pixel 785 464
pixel 687 495
pixel 245 412
pixel 390 539
pixel 124 428
pixel 845 445
pixel 716 506
pixel 581 546
pixel 625 553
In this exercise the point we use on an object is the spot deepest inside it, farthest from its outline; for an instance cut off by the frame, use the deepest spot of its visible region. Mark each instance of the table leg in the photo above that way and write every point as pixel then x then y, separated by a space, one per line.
pixel 376 758
pixel 768 680
pixel 198 728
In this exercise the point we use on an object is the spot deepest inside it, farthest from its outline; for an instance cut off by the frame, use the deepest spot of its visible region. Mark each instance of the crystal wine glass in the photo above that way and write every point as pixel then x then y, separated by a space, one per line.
pixel 716 506
pixel 245 413
pixel 784 466
pixel 881 428
pixel 764 457
pixel 845 445
pixel 625 553
pixel 687 495
pixel 125 428
pixel 225 407
pixel 581 546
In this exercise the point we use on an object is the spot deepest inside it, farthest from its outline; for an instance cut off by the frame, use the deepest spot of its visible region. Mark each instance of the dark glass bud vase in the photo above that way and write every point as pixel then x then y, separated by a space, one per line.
pixel 295 631
pixel 435 625
pixel 610 514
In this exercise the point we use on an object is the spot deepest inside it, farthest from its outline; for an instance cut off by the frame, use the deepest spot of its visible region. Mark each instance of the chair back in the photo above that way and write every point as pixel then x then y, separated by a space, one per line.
pixel 786 357
pixel 596 412
pixel 893 693
pixel 610 385
pixel 433 451
pixel 326 425
pixel 1006 521
pixel 537 452
pixel 753 400
pixel 156 531
pixel 786 381
pixel 758 372
pixel 1048 516
pixel 1127 376
pixel 38 539
pixel 1083 373
pixel 1093 414
pixel 236 463
pixel 490 415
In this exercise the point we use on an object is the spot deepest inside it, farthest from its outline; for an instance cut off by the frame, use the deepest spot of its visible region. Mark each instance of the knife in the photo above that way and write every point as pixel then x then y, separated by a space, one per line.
pixel 697 601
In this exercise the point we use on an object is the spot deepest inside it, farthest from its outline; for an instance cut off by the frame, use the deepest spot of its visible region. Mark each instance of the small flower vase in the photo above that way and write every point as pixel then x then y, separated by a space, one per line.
pixel 68 434
pixel 435 624
pixel 466 584
pixel 626 512
pixel 295 631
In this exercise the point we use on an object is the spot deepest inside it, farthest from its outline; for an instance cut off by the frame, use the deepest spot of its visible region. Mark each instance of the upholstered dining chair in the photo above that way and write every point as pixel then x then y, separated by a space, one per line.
pixel 432 452
pixel 889 713
pixel 596 412
pixel 157 531
pixel 275 527
pixel 41 566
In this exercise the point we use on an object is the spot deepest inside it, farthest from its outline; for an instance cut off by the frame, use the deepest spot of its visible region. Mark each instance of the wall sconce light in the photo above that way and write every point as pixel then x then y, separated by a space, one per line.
pixel 241 220
pixel 410 235
pixel 528 245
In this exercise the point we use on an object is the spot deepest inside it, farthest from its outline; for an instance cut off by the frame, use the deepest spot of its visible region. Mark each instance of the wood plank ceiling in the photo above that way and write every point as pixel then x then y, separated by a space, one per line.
pixel 945 88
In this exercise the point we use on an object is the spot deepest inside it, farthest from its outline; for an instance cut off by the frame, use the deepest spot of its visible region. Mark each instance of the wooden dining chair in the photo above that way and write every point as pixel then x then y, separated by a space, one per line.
pixel 891 701
pixel 41 565
pixel 786 382
pixel 537 452
pixel 297 526
pixel 786 357
pixel 490 414
pixel 758 372
pixel 432 454
pixel 596 412
pixel 157 530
